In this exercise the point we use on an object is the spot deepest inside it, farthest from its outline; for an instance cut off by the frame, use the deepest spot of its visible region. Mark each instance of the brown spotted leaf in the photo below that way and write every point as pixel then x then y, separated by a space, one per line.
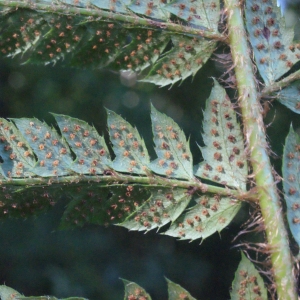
pixel 272 42
pixel 201 13
pixel 87 42
pixel 23 202
pixel 102 204
pixel 161 207
pixel 290 96
pixel 174 158
pixel 53 153
pixel 224 158
pixel 130 149
pixel 7 293
pixel 176 292
pixel 92 155
pixel 134 291
pixel 150 8
pixel 210 214
pixel 185 59
pixel 97 189
pixel 17 156
pixel 291 181
pixel 248 283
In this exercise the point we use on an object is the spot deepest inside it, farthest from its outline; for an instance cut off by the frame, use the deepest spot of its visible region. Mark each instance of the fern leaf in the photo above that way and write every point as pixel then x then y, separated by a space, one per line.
pixel 130 149
pixel 174 158
pixel 134 291
pixel 97 190
pixel 18 159
pixel 271 40
pixel 153 9
pixel 289 97
pixel 185 59
pixel 210 214
pixel 291 181
pixel 90 148
pixel 7 293
pixel 163 206
pixel 53 153
pixel 102 205
pixel 79 41
pixel 48 298
pixel 227 163
pixel 22 202
pixel 203 13
pixel 248 283
pixel 176 292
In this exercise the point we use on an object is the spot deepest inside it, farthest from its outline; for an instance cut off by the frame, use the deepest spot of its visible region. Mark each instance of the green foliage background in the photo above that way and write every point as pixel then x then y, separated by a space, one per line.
pixel 38 259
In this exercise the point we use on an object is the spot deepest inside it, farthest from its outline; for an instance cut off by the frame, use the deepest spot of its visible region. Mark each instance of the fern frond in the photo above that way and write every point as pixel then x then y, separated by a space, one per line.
pixel 224 155
pixel 291 181
pixel 272 42
pixel 247 283
pixel 62 32
pixel 175 291
pixel 40 165
pixel 211 214
pixel 289 97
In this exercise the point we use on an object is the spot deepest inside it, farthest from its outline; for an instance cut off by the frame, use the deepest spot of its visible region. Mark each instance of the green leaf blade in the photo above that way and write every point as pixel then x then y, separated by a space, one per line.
pixel 7 293
pixel 24 202
pixel 202 13
pixel 248 283
pixel 174 158
pixel 161 207
pixel 209 215
pixel 130 149
pixel 271 40
pixel 176 292
pixel 92 155
pixel 53 153
pixel 18 158
pixel 153 9
pixel 101 204
pixel 224 159
pixel 291 181
pixel 290 97
pixel 134 291
pixel 185 59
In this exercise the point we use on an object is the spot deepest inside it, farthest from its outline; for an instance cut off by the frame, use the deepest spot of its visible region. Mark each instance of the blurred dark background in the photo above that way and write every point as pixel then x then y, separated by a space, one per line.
pixel 37 259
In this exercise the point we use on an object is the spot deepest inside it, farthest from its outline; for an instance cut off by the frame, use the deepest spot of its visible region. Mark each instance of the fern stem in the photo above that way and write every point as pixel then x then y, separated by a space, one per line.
pixel 276 86
pixel 256 138
pixel 97 13
pixel 153 180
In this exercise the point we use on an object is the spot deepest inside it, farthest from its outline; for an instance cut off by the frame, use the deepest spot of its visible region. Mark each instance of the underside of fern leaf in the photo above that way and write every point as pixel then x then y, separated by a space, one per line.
pixel 224 156
pixel 248 284
pixel 290 97
pixel 274 50
pixel 291 181
pixel 42 167
pixel 53 34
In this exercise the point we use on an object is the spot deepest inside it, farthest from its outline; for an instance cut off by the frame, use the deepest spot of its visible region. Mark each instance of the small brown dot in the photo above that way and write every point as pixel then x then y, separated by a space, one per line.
pixel 55 163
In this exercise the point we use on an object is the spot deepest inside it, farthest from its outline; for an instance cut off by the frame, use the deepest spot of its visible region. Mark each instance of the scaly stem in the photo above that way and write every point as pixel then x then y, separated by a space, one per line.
pixel 98 13
pixel 256 139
